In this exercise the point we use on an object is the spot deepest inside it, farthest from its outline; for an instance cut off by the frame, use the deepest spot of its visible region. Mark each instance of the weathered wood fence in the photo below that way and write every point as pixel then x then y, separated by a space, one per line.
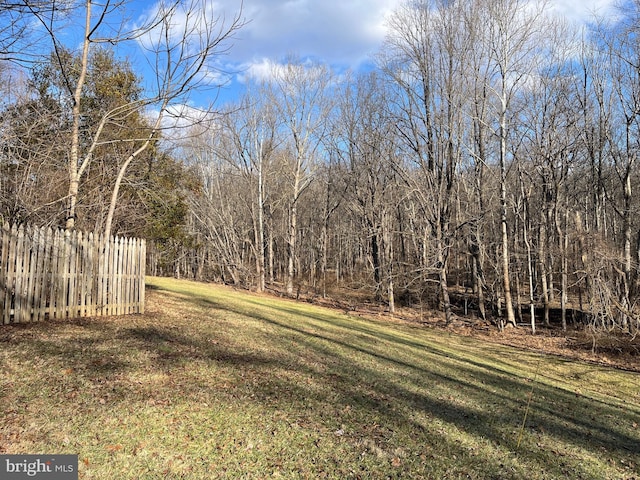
pixel 47 273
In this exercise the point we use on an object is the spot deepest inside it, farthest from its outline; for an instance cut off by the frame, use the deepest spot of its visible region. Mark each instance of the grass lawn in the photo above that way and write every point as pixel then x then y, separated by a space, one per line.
pixel 216 383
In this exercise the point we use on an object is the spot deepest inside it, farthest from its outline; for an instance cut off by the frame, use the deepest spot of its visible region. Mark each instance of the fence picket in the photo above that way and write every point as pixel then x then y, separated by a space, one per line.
pixel 47 273
pixel 40 275
pixel 94 255
pixel 103 260
pixel 4 264
pixel 10 275
pixel 129 276
pixel 58 272
pixel 111 277
pixel 141 265
pixel 18 288
pixel 47 280
pixel 31 272
pixel 80 275
pixel 125 277
pixel 72 300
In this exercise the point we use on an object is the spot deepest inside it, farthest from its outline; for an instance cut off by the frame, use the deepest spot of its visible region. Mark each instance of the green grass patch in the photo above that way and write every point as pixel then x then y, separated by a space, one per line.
pixel 216 383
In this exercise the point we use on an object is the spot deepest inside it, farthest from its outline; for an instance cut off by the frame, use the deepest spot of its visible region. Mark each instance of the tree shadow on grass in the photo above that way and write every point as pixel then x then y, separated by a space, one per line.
pixel 564 413
pixel 495 397
pixel 430 386
pixel 573 419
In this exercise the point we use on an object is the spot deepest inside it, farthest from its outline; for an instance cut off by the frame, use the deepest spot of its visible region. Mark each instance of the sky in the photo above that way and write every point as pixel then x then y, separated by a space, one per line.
pixel 342 33
pixel 582 10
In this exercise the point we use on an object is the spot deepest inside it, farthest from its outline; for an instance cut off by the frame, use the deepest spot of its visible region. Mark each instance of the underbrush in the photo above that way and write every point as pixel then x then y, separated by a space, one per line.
pixel 612 343
pixel 581 341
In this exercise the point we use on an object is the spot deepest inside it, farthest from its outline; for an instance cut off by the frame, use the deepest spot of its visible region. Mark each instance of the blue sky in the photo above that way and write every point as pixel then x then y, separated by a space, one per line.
pixel 341 33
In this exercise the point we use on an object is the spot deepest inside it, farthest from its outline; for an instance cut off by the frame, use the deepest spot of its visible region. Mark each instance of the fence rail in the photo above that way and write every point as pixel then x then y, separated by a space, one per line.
pixel 47 273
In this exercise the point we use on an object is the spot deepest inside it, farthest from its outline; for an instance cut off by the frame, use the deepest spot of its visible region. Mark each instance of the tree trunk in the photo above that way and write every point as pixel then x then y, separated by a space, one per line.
pixel 388 259
pixel 291 246
pixel 564 245
pixel 542 259
pixel 442 257
pixel 518 285
pixel 628 272
pixel 260 246
pixel 506 282
pixel 324 240
pixel 530 269
pixel 636 273
pixel 270 253
pixel 375 258
pixel 478 279
pixel 123 170
pixel 74 153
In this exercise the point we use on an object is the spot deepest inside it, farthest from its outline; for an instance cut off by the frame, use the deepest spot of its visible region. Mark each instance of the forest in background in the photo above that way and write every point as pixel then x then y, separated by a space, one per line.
pixel 489 158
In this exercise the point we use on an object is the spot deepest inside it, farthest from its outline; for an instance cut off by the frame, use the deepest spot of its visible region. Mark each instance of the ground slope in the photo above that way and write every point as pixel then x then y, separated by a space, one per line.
pixel 216 383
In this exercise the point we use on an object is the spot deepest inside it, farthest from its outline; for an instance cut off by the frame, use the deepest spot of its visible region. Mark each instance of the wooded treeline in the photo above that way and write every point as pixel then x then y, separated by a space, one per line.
pixel 486 160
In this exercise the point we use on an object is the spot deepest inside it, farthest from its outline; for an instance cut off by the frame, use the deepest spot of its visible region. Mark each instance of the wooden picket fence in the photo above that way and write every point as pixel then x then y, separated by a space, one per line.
pixel 47 273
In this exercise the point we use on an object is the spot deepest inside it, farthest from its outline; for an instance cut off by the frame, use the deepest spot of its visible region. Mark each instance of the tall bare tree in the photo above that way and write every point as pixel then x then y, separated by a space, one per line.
pixel 425 60
pixel 251 130
pixel 513 37
pixel 363 139
pixel 300 94
pixel 622 49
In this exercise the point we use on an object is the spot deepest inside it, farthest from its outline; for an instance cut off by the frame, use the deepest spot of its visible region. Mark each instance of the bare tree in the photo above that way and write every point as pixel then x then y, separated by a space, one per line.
pixel 300 94
pixel 479 146
pixel 31 148
pixel 18 37
pixel 551 129
pixel 251 130
pixel 622 50
pixel 425 59
pixel 219 218
pixel 513 37
pixel 367 149
pixel 182 39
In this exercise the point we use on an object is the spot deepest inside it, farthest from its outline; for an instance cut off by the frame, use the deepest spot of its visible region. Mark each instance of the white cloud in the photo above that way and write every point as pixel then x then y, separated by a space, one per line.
pixel 267 69
pixel 258 69
pixel 341 33
pixel 178 21
pixel 338 32
pixel 179 120
pixel 581 11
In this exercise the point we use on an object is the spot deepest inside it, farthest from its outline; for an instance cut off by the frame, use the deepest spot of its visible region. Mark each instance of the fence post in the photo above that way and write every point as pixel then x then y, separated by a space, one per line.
pixel 47 298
